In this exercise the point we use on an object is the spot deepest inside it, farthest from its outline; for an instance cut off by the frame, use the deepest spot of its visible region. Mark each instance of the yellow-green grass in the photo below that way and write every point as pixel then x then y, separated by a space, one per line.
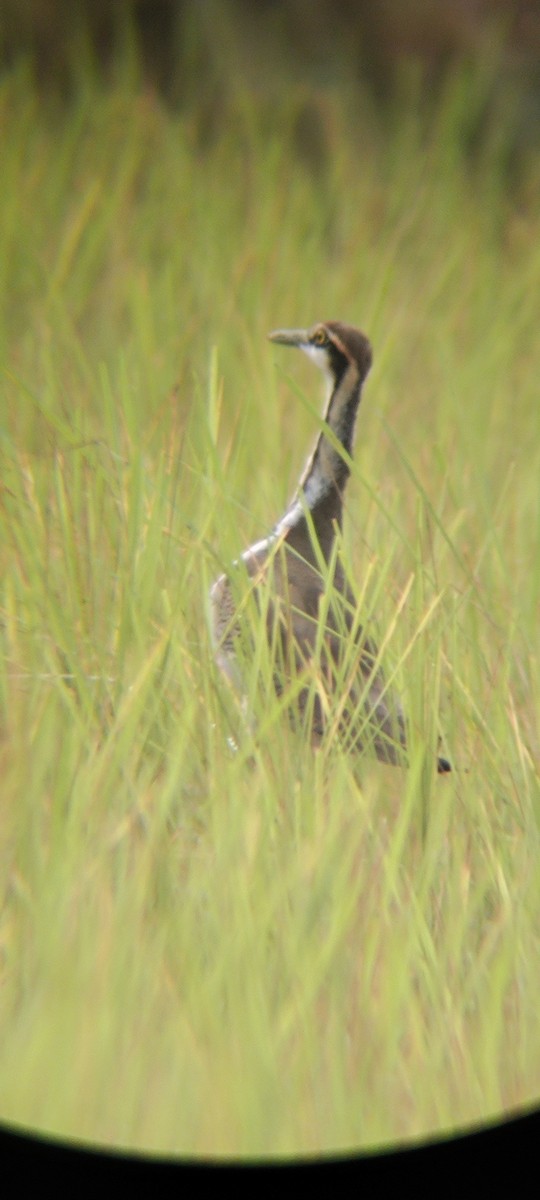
pixel 261 950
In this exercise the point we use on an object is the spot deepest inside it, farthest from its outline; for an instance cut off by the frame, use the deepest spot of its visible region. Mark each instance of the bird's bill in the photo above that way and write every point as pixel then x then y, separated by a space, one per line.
pixel 289 337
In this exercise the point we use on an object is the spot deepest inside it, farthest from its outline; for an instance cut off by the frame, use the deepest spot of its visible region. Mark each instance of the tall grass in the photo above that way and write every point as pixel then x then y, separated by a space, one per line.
pixel 262 950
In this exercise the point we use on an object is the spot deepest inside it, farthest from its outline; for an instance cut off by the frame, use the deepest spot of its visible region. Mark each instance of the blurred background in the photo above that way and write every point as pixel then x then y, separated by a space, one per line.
pixel 384 46
pixel 375 38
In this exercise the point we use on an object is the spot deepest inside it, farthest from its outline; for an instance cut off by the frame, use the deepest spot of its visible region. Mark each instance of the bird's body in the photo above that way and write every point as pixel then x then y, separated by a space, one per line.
pixel 309 609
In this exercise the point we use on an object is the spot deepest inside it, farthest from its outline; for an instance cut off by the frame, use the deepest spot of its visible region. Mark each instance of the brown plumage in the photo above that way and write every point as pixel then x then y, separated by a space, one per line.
pixel 347 683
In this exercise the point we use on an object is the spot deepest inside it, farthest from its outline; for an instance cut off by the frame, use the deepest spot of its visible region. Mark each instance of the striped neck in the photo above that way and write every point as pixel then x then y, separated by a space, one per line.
pixel 326 472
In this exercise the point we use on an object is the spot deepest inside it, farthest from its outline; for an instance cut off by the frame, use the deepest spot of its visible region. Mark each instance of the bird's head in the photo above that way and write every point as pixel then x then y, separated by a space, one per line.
pixel 334 348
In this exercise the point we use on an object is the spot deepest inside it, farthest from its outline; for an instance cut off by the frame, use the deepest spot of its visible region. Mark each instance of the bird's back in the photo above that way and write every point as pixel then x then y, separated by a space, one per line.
pixel 313 633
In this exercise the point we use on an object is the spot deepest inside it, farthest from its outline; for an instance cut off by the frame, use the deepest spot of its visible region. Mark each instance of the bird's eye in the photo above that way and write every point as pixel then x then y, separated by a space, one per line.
pixel 320 338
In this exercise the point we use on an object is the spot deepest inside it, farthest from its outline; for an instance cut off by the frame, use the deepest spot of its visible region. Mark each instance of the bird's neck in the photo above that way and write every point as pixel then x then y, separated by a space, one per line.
pixel 323 481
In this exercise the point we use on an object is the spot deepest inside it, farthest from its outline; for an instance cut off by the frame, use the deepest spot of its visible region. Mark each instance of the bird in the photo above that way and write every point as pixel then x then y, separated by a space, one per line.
pixel 299 583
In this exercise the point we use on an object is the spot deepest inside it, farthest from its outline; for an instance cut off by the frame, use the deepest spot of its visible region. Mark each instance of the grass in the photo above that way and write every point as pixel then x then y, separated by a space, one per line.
pixel 261 952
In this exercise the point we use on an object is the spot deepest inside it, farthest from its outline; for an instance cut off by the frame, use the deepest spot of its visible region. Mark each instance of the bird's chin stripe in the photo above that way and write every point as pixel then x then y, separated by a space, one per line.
pixel 319 356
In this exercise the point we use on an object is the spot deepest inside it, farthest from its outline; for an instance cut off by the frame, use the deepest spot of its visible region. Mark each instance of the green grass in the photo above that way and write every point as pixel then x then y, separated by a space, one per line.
pixel 264 951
